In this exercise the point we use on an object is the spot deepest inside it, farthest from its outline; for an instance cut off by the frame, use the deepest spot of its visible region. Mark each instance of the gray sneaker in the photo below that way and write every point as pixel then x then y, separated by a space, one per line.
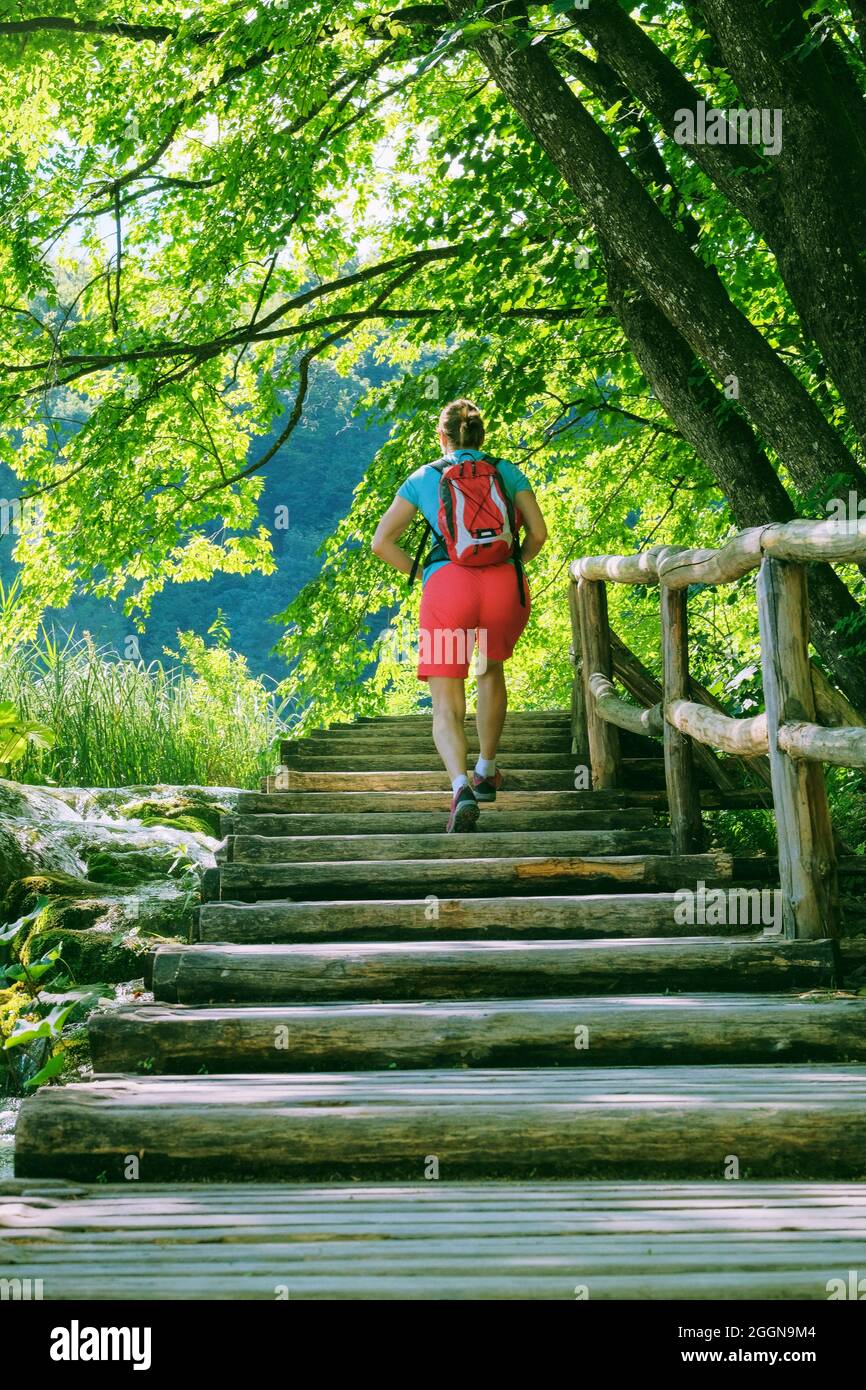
pixel 464 812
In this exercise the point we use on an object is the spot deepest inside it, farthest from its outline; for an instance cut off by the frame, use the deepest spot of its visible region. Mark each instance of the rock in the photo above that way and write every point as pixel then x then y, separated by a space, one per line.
pixel 121 868
pixel 119 865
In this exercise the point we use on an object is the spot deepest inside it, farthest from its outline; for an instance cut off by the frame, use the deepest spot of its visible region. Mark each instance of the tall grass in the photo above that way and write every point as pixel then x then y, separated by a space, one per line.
pixel 203 720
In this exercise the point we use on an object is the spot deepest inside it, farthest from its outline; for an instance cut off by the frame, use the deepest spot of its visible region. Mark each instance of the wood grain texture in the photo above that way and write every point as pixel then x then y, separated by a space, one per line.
pixel 472 969
pixel 807 867
pixel 680 777
pixel 619 569
pixel 429 1240
pixel 643 686
pixel 397 822
pixel 545 740
pixel 284 849
pixel 839 542
pixel 635 771
pixel 602 737
pixel 566 1032
pixel 606 1122
pixel 841 747
pixel 617 711
pixel 363 802
pixel 504 918
pixel 832 706
pixel 413 759
pixel 743 737
pixel 470 877
pixel 577 713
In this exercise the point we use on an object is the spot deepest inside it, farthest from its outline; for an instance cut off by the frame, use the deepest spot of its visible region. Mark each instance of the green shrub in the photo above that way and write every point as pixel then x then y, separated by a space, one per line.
pixel 203 720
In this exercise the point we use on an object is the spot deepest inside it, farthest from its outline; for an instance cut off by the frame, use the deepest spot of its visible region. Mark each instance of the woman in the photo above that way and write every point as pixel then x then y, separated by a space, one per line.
pixel 469 598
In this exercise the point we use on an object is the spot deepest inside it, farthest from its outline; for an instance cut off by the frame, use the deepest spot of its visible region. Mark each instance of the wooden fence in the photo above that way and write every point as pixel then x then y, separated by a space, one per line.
pixel 690 722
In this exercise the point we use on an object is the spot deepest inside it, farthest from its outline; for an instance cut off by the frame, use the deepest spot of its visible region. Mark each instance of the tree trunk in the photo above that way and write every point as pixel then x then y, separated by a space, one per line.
pixel 689 294
pixel 728 447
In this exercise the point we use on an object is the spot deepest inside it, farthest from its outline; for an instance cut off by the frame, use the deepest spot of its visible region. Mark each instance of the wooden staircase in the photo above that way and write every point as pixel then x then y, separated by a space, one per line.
pixel 369 999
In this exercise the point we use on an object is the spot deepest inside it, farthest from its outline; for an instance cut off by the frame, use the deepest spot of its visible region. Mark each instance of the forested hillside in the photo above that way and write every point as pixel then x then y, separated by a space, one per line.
pixel 496 201
pixel 307 489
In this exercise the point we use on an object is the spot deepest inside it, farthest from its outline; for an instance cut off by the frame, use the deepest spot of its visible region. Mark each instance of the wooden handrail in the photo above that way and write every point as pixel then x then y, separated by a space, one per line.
pixel 837 542
pixel 796 691
pixel 842 747
pixel 620 712
pixel 744 738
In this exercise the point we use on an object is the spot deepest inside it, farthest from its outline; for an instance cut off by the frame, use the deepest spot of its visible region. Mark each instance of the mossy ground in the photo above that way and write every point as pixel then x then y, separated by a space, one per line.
pixel 182 812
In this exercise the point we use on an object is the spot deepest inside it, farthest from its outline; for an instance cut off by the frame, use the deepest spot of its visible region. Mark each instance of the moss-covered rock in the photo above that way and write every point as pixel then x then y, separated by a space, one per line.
pixel 23 894
pixel 138 864
pixel 120 868
pixel 183 811
pixel 186 822
pixel 94 954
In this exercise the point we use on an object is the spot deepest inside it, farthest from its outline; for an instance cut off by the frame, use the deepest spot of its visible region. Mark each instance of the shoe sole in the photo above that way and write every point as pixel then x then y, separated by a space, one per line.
pixel 484 796
pixel 465 818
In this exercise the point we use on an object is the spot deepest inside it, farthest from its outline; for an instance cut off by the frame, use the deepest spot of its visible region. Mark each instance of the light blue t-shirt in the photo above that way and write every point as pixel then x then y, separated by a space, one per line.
pixel 421 488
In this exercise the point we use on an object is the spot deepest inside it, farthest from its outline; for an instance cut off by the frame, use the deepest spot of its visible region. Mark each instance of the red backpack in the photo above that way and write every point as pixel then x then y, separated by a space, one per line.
pixel 477 520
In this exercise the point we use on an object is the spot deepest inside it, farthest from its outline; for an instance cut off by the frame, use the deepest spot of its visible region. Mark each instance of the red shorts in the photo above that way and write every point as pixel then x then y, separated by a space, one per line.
pixel 462 607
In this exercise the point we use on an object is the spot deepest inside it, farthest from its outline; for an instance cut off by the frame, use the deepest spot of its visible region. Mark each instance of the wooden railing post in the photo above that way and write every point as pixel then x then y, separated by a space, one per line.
pixel 684 801
pixel 579 735
pixel 603 738
pixel 807 860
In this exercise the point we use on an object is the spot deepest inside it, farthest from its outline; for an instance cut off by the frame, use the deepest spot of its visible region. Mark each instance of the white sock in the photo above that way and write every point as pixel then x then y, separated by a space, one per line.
pixel 486 767
pixel 458 782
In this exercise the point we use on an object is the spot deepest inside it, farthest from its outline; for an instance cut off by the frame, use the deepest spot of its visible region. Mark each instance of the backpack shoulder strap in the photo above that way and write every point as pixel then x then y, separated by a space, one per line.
pixel 428 530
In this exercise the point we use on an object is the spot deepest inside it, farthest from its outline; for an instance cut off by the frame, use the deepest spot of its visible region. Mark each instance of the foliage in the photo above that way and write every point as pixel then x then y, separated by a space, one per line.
pixel 17 735
pixel 203 720
pixel 214 212
pixel 27 1017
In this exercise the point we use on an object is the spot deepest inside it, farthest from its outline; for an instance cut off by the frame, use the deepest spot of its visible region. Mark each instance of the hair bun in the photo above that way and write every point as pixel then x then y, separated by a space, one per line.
pixel 460 421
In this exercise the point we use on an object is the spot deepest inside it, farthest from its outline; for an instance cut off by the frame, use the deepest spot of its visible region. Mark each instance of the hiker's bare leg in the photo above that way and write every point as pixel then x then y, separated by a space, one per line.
pixel 492 704
pixel 448 694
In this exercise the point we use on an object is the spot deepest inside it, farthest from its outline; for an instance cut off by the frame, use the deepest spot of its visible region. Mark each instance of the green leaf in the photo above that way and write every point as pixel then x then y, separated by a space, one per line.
pixel 53 1067
pixel 9 933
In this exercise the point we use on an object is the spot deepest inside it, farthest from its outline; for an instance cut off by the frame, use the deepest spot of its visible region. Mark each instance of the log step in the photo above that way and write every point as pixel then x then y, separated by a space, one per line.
pixel 617 1122
pixel 649 772
pixel 396 919
pixel 423 718
pixel 286 849
pixel 554 741
pixel 398 822
pixel 366 802
pixel 433 1240
pixel 410 970
pixel 418 759
pixel 482 877
pixel 583 1031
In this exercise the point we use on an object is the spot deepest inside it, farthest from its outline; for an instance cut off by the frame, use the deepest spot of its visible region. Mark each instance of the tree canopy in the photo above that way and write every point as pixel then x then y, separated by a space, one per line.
pixel 204 205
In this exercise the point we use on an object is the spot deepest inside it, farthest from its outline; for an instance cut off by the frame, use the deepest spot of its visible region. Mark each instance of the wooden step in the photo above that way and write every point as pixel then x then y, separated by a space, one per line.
pixel 779 1121
pixel 639 1030
pixel 481 877
pixel 305 973
pixel 370 802
pixel 557 741
pixel 396 919
pixel 640 771
pixel 512 742
pixel 286 849
pixel 417 759
pixel 433 1240
pixel 422 719
pixel 398 822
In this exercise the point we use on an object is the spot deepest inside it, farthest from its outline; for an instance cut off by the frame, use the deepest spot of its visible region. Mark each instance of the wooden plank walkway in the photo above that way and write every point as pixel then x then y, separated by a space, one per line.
pixel 536 1240
pixel 368 997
